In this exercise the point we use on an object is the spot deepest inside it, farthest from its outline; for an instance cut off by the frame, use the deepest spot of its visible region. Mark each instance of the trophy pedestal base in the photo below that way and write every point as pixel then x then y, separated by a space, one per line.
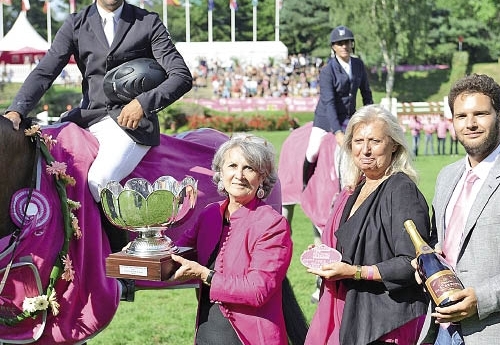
pixel 155 268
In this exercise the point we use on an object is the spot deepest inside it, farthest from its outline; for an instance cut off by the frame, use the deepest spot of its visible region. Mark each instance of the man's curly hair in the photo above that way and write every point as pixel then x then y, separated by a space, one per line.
pixel 476 83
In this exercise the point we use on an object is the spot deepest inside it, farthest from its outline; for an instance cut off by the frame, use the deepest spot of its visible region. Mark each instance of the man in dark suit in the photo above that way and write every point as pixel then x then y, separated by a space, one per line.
pixel 125 131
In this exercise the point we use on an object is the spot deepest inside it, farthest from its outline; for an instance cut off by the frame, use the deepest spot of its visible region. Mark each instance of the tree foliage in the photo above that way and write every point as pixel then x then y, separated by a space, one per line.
pixel 305 26
pixel 478 23
pixel 389 31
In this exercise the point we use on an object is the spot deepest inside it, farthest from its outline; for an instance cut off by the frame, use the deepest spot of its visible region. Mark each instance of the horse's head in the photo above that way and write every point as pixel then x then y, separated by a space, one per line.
pixel 17 156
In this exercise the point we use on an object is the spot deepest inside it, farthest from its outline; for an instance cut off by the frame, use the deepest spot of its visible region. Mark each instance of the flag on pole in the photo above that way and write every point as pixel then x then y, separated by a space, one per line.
pixel 254 3
pixel 233 5
pixel 45 6
pixel 173 2
pixel 211 5
pixel 72 6
pixel 25 5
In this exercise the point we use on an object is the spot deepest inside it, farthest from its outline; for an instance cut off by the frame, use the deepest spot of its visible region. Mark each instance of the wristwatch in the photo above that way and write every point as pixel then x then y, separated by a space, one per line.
pixel 208 280
pixel 357 275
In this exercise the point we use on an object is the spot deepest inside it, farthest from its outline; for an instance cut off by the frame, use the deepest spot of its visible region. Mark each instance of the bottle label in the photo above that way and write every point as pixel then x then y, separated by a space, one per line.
pixel 442 284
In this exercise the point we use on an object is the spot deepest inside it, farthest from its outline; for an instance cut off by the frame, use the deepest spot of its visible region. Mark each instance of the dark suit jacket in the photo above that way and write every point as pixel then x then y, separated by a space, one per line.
pixel 139 34
pixel 337 94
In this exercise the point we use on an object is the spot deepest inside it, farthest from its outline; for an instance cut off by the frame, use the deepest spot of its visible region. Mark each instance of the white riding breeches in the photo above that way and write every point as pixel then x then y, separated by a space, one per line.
pixel 117 157
pixel 315 139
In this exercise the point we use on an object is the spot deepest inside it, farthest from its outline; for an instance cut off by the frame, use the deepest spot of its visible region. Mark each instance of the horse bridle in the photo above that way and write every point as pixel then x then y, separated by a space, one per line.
pixel 15 237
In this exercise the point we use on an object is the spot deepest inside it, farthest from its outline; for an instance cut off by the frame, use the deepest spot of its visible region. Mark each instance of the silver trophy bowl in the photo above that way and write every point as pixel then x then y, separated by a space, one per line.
pixel 149 209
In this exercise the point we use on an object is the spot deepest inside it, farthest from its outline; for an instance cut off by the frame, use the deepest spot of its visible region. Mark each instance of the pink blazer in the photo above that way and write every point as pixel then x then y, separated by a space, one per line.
pixel 325 325
pixel 251 265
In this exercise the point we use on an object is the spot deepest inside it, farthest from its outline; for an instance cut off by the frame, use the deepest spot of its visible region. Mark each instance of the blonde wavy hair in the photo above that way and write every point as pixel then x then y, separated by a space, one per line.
pixel 401 158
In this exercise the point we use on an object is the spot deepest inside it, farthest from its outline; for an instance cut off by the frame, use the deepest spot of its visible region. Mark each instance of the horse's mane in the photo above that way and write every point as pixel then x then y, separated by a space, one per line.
pixel 16 165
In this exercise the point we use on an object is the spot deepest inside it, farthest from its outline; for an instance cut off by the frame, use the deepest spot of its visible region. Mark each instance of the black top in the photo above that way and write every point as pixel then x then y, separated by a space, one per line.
pixel 213 327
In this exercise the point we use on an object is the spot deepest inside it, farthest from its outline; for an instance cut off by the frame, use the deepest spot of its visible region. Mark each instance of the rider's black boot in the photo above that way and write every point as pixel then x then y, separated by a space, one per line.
pixel 118 238
pixel 128 289
pixel 307 172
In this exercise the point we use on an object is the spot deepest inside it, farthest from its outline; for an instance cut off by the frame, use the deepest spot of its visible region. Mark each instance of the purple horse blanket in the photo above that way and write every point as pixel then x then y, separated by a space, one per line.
pixel 89 301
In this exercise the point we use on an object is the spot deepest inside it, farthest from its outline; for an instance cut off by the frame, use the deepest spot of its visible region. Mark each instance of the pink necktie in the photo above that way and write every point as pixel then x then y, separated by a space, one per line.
pixel 455 230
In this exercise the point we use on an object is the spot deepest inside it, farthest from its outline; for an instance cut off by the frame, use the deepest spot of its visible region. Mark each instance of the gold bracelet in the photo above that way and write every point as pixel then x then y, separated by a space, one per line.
pixel 357 275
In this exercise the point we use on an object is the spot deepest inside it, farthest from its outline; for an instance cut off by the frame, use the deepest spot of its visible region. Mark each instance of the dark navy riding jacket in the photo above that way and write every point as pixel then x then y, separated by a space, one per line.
pixel 337 101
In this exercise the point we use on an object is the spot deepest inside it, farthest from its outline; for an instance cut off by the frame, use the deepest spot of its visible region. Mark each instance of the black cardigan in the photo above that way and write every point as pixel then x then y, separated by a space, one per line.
pixel 375 235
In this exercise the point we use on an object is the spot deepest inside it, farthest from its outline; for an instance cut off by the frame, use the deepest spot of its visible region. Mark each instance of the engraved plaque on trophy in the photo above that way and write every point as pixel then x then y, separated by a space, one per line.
pixel 148 210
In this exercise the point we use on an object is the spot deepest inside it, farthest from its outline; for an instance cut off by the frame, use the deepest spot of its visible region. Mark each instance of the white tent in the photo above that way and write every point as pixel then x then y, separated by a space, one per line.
pixel 22 41
pixel 246 52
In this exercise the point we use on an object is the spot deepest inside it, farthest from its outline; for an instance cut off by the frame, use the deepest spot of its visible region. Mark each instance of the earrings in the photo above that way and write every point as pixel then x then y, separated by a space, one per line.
pixel 260 192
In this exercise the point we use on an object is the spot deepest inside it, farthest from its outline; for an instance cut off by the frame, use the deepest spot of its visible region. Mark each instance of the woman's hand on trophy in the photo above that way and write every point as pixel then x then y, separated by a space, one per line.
pixel 188 270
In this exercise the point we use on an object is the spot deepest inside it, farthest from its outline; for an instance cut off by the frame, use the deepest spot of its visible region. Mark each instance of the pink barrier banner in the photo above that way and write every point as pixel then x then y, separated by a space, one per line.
pixel 302 104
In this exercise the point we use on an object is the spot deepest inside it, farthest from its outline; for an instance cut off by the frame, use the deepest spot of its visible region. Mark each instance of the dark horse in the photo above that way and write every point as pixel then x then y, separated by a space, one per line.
pixel 86 299
pixel 44 296
pixel 13 169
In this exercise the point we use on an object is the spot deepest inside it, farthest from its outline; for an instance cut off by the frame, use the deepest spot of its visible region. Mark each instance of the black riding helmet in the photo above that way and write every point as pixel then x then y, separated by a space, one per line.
pixel 125 82
pixel 341 33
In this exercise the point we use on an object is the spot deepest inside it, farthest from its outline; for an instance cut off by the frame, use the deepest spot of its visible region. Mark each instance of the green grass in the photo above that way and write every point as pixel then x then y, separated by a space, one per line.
pixel 432 86
pixel 491 69
pixel 167 317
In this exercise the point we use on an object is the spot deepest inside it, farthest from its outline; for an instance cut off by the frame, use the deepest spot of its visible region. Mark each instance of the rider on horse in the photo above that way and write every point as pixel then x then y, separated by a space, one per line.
pixel 125 130
pixel 339 83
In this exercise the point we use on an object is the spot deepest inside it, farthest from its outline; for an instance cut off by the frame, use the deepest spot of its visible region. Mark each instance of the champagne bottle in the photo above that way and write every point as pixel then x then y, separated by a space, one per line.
pixel 439 278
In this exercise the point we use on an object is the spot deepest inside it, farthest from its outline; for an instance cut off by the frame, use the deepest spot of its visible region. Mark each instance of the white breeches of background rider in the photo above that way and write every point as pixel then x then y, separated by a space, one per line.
pixel 312 151
pixel 315 139
pixel 117 157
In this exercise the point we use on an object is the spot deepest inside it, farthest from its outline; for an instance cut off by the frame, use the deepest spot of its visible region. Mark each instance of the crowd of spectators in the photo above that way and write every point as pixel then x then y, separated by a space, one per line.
pixel 297 76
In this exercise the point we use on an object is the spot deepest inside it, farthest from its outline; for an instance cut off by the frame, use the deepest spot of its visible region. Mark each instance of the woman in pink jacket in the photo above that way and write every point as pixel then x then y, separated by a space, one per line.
pixel 244 248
